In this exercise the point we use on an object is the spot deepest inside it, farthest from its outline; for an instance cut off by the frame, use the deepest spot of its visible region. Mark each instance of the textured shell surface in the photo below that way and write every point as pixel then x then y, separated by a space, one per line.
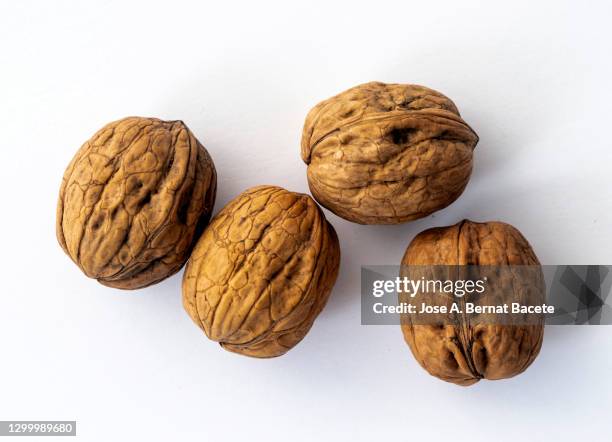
pixel 387 153
pixel 262 271
pixel 463 351
pixel 133 200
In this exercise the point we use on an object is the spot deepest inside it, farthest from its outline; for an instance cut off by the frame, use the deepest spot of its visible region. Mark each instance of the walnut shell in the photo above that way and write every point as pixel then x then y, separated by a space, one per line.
pixel 133 201
pixel 387 153
pixel 262 271
pixel 464 352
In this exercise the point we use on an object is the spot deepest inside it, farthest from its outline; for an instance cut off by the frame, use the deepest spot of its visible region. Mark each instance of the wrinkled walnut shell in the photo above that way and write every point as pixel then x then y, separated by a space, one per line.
pixel 387 153
pixel 133 201
pixel 463 352
pixel 261 272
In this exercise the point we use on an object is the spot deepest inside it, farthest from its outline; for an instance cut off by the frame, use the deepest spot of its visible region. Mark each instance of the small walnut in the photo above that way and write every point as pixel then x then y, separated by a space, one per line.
pixel 387 153
pixel 262 271
pixel 460 349
pixel 133 201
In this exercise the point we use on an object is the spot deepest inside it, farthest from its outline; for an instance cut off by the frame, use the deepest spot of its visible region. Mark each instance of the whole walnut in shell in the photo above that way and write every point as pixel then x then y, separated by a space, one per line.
pixel 133 201
pixel 387 153
pixel 262 271
pixel 465 348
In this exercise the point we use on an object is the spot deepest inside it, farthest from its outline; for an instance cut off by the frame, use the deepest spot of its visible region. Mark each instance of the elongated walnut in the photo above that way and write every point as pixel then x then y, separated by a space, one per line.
pixel 464 348
pixel 262 271
pixel 387 153
pixel 133 201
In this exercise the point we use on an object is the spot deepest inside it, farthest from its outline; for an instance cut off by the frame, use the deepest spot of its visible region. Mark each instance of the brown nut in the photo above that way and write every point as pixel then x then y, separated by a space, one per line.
pixel 462 350
pixel 387 153
pixel 133 201
pixel 262 271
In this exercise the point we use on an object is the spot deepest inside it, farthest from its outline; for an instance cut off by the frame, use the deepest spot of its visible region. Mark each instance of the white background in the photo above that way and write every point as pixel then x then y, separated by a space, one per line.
pixel 531 77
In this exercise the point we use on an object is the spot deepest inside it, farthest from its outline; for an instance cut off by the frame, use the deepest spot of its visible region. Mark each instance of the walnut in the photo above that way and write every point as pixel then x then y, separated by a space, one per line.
pixel 133 201
pixel 387 153
pixel 461 349
pixel 262 271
